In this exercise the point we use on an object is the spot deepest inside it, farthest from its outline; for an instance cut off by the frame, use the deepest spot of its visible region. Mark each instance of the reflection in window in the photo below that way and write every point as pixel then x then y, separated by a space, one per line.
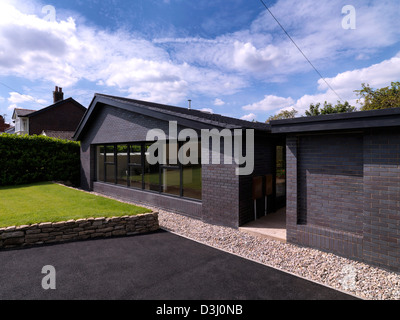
pixel 192 182
pixel 122 165
pixel 151 173
pixel 135 177
pixel 280 172
pixel 127 165
pixel 171 181
pixel 110 164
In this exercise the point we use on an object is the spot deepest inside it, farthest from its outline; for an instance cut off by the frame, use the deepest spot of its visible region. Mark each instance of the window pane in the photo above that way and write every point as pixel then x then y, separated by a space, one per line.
pixel 192 182
pixel 135 177
pixel 122 165
pixel 135 154
pixel 151 174
pixel 110 173
pixel 172 149
pixel 110 154
pixel 170 180
pixel 100 163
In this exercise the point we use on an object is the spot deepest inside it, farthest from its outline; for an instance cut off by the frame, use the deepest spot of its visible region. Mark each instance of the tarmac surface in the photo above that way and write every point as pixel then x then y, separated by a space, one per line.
pixel 156 266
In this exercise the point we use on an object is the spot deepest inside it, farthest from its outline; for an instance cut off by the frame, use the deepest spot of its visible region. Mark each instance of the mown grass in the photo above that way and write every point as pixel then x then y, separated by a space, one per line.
pixel 49 202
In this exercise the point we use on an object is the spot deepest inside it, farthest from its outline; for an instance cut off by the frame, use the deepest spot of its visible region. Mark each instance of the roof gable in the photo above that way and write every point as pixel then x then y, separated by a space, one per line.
pixel 190 118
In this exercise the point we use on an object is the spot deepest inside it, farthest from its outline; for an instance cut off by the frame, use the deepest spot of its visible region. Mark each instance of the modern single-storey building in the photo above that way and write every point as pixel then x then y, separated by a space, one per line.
pixel 337 175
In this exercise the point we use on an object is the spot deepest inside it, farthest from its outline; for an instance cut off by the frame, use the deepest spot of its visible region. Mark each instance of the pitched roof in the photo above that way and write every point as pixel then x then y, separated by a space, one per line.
pixel 63 135
pixel 23 112
pixel 187 117
pixel 32 113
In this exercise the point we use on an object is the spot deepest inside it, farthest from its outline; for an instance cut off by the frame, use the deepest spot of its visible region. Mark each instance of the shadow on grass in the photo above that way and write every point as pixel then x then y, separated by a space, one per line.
pixel 22 186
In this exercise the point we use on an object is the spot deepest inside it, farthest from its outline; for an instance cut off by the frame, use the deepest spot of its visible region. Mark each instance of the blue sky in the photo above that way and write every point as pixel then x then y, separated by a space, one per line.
pixel 228 57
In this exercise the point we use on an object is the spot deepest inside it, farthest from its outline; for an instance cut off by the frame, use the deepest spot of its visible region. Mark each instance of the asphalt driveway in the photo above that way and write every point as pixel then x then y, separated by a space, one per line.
pixel 157 266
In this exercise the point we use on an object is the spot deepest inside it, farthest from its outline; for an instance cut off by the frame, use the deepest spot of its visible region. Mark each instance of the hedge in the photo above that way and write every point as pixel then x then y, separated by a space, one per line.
pixel 31 159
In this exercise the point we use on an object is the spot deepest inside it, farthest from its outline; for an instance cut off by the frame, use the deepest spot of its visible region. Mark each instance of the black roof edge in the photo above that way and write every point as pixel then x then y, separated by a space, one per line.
pixel 340 121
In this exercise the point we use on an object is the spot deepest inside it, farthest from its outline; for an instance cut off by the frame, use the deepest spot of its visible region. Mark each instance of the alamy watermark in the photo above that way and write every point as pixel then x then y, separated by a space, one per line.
pixel 188 153
pixel 349 280
pixel 50 13
pixel 49 281
pixel 350 20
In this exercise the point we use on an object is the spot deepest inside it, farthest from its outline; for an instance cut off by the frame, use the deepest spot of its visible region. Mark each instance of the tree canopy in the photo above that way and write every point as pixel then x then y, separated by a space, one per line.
pixel 387 97
pixel 328 108
pixel 284 114
pixel 369 99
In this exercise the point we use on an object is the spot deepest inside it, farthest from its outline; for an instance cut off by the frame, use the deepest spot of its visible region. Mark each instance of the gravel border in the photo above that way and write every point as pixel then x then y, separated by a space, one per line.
pixel 349 276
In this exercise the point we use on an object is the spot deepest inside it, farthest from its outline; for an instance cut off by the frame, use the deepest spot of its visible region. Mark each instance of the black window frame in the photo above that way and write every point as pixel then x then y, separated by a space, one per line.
pixel 179 167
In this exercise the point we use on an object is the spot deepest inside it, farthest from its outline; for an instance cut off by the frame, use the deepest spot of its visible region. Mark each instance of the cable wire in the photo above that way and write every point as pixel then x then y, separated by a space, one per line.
pixel 291 39
pixel 27 96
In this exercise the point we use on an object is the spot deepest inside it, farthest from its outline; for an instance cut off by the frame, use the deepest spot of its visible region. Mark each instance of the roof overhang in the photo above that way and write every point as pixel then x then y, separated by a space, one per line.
pixel 342 121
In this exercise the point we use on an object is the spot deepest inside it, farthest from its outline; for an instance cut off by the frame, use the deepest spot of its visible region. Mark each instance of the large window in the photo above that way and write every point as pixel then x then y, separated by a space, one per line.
pixel 127 165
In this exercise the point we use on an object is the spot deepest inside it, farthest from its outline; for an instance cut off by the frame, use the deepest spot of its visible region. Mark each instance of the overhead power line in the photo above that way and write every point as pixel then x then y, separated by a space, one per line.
pixel 301 51
pixel 25 95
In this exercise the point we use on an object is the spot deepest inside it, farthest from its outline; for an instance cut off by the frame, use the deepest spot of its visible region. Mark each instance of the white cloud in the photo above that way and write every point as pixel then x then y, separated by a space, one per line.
pixel 377 76
pixel 249 117
pixel 208 110
pixel 264 52
pixel 64 52
pixel 21 98
pixel 270 103
pixel 219 102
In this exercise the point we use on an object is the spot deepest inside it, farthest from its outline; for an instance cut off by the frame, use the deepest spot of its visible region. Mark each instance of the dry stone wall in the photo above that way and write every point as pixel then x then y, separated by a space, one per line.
pixel 73 230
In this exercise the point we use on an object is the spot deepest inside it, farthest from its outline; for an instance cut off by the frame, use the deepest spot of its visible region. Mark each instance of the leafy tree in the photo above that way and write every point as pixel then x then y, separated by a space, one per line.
pixel 387 97
pixel 328 108
pixel 285 114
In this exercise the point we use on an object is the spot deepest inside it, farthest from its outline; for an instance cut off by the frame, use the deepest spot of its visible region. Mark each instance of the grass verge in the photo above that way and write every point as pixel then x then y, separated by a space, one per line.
pixel 49 202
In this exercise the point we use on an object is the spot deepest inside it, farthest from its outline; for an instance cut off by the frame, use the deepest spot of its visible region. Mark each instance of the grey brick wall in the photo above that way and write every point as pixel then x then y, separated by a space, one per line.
pixel 344 194
pixel 382 198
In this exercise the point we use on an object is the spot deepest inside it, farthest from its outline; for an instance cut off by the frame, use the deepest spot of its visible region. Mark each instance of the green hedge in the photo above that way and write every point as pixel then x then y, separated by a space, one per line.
pixel 30 159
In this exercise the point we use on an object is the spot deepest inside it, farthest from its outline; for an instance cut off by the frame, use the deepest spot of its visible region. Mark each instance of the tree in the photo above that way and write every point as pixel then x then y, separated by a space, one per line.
pixel 314 110
pixel 387 97
pixel 285 114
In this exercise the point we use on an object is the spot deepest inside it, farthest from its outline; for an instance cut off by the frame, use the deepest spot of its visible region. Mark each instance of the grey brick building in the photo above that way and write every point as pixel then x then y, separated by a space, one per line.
pixel 337 175
pixel 343 184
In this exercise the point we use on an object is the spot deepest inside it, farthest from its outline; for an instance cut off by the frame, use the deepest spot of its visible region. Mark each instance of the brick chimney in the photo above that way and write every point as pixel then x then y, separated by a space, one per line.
pixel 58 95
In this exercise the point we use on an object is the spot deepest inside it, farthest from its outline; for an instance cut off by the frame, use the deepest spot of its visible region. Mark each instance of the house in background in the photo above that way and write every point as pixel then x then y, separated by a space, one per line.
pixel 58 120
pixel 3 125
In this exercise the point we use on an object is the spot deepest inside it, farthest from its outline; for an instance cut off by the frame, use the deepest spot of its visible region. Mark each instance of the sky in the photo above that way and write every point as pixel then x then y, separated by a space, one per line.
pixel 228 57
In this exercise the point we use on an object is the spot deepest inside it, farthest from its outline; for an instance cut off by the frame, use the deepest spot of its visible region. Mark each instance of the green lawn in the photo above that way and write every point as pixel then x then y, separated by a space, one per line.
pixel 48 202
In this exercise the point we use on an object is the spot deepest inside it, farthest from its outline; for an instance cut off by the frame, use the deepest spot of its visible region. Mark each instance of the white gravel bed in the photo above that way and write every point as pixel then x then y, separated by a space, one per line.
pixel 346 275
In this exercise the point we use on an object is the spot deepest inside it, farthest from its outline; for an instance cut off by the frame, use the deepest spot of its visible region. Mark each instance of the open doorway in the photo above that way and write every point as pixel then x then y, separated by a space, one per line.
pixel 272 225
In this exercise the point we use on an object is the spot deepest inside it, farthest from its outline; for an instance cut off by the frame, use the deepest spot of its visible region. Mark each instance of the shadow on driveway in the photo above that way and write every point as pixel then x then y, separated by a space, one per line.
pixel 156 266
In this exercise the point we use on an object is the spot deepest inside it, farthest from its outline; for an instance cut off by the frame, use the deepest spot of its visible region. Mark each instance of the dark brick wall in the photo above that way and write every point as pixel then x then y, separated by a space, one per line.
pixel 183 206
pixel 382 198
pixel 65 117
pixel 221 194
pixel 344 194
pixel 330 181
